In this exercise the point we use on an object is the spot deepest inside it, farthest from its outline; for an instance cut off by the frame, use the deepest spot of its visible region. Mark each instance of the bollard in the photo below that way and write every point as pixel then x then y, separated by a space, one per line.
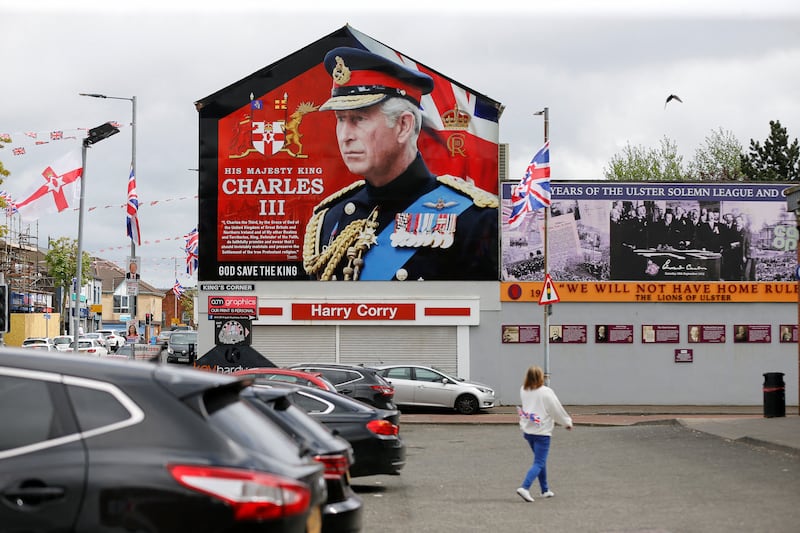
pixel 774 395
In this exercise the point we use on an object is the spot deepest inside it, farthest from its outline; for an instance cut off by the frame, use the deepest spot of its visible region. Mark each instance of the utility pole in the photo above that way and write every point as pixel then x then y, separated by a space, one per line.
pixel 548 309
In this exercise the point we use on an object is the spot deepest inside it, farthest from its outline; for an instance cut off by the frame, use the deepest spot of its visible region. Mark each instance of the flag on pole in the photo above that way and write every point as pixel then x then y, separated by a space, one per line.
pixel 178 289
pixel 133 210
pixel 191 251
pixel 533 192
pixel 60 178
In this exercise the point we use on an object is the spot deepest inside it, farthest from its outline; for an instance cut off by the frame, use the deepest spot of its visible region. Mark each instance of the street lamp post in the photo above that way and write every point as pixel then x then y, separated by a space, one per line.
pixel 96 135
pixel 131 299
pixel 547 307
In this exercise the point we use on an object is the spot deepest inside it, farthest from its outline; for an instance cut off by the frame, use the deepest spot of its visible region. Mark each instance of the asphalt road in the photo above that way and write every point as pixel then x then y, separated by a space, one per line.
pixel 644 478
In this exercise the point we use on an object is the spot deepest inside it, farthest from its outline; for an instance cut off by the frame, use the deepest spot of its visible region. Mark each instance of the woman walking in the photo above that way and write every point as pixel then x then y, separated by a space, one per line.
pixel 539 412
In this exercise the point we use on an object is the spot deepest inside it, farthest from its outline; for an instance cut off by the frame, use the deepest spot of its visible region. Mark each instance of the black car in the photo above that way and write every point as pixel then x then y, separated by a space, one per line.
pixel 108 445
pixel 360 382
pixel 342 511
pixel 373 433
pixel 182 347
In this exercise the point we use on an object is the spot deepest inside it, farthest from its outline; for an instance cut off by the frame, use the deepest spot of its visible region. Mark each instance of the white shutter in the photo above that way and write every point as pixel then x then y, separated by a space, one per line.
pixel 434 346
pixel 286 345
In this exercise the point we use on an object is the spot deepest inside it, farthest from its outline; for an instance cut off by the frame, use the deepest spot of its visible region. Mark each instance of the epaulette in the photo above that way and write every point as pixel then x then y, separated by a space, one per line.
pixel 479 197
pixel 338 195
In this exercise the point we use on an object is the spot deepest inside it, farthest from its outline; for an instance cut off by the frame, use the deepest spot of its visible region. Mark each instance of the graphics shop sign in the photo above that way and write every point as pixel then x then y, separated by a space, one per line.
pixel 232 306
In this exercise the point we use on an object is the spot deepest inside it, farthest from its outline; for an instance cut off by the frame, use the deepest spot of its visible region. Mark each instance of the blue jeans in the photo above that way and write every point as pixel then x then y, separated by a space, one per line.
pixel 540 446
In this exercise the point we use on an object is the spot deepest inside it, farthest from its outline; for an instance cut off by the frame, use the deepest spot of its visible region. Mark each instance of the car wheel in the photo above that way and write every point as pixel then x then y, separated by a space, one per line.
pixel 466 404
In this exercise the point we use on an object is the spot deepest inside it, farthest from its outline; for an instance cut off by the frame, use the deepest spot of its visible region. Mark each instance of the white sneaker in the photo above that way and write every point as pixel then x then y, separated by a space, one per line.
pixel 548 494
pixel 525 494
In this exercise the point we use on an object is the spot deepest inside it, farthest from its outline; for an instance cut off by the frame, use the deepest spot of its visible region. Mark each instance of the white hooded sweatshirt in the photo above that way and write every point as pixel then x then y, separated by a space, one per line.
pixel 540 410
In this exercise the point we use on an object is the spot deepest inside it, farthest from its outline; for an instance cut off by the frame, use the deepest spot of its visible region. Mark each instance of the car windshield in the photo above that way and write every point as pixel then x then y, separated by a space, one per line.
pixel 183 337
pixel 26 342
pixel 61 340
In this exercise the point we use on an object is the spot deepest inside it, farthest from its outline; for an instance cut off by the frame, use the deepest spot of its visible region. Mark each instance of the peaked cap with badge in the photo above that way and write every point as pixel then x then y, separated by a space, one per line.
pixel 362 79
pixel 418 226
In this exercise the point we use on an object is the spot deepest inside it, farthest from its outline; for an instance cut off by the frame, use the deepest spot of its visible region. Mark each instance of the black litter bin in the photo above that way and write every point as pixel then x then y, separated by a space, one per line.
pixel 774 395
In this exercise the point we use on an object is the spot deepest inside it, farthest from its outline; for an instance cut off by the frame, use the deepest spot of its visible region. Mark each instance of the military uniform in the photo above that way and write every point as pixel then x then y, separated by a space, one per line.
pixel 418 227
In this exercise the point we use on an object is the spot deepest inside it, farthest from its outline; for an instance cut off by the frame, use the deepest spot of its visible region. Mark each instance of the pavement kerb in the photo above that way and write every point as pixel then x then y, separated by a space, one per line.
pixel 746 425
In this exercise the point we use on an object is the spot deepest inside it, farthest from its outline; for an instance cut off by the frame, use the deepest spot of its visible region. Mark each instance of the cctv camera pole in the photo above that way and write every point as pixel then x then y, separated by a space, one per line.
pixel 104 131
pixel 547 307
pixel 79 253
pixel 132 298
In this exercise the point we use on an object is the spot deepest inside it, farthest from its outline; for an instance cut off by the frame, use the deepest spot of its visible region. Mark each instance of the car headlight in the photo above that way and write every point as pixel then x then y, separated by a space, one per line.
pixel 484 390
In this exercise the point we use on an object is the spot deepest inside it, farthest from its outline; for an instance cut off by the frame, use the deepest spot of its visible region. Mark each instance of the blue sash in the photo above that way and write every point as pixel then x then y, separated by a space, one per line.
pixel 382 261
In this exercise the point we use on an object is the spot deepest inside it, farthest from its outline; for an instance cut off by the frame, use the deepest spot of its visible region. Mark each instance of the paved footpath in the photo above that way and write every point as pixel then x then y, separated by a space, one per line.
pixel 736 423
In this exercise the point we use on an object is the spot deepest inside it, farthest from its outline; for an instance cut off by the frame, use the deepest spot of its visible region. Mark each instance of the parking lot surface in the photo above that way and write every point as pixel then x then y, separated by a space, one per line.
pixel 664 477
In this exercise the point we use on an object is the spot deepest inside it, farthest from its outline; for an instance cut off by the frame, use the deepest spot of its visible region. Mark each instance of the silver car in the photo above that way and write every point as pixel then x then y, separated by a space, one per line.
pixel 423 386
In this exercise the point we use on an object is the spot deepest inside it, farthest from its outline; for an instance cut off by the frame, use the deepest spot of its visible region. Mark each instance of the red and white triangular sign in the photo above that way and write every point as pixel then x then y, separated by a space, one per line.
pixel 549 294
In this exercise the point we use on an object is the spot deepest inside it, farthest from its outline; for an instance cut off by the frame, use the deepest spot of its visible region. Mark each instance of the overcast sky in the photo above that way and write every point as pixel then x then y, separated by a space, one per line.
pixel 604 73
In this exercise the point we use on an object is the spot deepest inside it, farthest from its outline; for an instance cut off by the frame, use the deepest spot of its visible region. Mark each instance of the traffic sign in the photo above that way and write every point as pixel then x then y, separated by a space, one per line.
pixel 549 294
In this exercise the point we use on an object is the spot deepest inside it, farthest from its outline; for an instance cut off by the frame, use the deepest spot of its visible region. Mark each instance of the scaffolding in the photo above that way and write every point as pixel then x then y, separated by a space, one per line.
pixel 22 264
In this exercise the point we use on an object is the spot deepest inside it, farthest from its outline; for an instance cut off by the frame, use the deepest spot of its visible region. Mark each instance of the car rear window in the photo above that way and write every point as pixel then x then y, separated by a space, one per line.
pixel 251 429
pixel 335 375
pixel 403 372
pixel 96 408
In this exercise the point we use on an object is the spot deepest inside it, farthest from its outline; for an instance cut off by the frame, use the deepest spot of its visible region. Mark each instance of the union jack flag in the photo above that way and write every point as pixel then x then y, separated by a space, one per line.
pixel 191 251
pixel 133 210
pixel 56 135
pixel 11 206
pixel 178 289
pixel 533 192
pixel 18 151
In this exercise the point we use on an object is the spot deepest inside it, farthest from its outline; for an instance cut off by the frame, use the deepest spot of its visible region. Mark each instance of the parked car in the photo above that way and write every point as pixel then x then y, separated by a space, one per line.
pixel 163 337
pixel 99 337
pixel 343 508
pixel 109 445
pixel 89 346
pixel 309 379
pixel 114 339
pixel 373 433
pixel 141 352
pixel 359 382
pixel 62 342
pixel 179 345
pixel 39 343
pixel 423 386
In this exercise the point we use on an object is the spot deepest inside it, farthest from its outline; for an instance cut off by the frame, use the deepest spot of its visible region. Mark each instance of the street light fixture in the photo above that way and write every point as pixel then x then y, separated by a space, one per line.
pixel 101 132
pixel 132 299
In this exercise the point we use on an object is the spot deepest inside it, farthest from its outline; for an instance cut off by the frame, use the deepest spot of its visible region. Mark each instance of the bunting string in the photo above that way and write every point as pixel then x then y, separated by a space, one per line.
pixel 22 141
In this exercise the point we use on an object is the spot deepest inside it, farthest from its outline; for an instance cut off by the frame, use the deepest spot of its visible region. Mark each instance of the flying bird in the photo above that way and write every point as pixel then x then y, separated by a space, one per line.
pixel 670 98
